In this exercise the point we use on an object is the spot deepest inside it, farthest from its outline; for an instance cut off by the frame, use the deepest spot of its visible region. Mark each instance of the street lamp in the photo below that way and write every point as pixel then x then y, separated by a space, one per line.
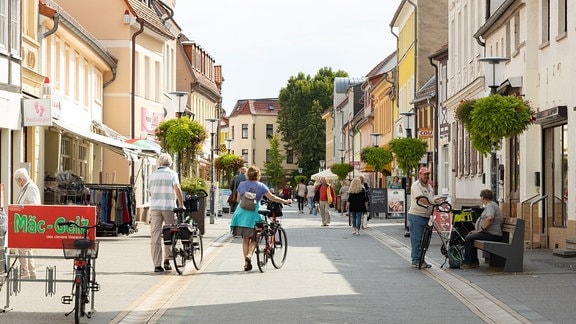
pixel 493 73
pixel 228 144
pixel 322 164
pixel 212 189
pixel 299 170
pixel 180 95
pixel 341 154
pixel 376 143
pixel 406 116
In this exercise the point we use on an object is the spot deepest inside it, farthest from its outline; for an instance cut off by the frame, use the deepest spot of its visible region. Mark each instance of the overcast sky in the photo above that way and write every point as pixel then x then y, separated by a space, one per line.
pixel 262 43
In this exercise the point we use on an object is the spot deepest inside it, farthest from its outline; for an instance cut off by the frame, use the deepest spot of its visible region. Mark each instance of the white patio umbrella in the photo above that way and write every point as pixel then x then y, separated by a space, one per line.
pixel 326 173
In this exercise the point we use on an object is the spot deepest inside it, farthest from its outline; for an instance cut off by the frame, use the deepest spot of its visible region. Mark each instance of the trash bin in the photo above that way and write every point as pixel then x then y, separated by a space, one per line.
pixel 195 204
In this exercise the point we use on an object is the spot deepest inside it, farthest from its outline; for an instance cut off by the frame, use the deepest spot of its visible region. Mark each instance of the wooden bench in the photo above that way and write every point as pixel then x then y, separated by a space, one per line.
pixel 510 252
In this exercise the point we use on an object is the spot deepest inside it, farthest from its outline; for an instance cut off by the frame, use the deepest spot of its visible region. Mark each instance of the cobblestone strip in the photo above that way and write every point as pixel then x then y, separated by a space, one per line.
pixel 480 302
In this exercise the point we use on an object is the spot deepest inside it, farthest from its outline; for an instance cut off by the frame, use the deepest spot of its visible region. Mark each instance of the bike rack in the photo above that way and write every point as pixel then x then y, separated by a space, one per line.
pixel 13 281
pixel 544 228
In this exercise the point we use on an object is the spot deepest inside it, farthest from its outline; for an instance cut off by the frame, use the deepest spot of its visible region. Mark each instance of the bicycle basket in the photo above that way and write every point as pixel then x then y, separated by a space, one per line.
pixel 72 248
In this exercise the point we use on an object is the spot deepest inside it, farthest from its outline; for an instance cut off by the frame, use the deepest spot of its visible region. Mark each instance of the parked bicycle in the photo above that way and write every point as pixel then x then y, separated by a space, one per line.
pixel 185 238
pixel 83 250
pixel 271 240
pixel 448 238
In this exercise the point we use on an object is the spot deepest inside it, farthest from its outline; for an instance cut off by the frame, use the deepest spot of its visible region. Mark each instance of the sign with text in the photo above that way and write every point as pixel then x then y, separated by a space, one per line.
pixel 396 201
pixel 377 200
pixel 36 226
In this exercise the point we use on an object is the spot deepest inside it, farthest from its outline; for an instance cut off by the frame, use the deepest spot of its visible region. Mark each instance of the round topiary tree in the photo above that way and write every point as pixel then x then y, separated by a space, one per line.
pixel 341 170
pixel 408 152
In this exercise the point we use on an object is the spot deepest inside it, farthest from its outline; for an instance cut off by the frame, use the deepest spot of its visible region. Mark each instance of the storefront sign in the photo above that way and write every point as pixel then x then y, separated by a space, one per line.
pixel 37 112
pixel 36 226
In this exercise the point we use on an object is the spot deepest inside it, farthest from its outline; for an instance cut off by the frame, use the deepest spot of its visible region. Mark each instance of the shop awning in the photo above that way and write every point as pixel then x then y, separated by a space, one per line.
pixel 130 151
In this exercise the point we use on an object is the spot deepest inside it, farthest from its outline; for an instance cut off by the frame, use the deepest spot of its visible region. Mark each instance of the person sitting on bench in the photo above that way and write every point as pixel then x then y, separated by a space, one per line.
pixel 488 228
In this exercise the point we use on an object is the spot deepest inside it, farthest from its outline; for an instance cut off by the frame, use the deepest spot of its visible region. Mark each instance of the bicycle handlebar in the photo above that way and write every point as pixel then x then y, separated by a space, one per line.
pixel 71 223
pixel 423 201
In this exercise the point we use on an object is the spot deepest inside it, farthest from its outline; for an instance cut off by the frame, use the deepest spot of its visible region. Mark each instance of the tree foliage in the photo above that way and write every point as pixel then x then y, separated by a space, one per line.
pixel 492 118
pixel 341 170
pixel 303 101
pixel 183 136
pixel 378 157
pixel 408 151
pixel 228 164
pixel 273 169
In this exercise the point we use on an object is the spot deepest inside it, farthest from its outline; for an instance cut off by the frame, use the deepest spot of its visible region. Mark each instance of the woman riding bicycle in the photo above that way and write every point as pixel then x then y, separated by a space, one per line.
pixel 244 218
pixel 418 216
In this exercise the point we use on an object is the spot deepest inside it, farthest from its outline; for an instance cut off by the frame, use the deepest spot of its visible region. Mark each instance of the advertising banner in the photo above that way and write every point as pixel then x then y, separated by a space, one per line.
pixel 36 226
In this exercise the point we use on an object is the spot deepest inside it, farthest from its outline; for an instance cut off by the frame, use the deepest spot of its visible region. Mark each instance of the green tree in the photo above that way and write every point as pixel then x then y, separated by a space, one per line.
pixel 408 152
pixel 302 102
pixel 378 157
pixel 341 170
pixel 273 169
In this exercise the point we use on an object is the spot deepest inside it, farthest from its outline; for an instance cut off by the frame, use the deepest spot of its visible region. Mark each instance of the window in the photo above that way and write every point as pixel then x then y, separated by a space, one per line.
pixel 245 155
pixel 290 157
pixel 267 156
pixel 253 131
pixel 82 161
pixel 245 132
pixel 517 31
pixel 562 17
pixel 15 32
pixel 3 24
pixel 269 130
pixel 545 21
pixel 232 132
pixel 66 154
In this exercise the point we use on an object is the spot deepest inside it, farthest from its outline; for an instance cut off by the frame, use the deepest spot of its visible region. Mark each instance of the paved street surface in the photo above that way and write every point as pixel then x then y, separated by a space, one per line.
pixel 330 276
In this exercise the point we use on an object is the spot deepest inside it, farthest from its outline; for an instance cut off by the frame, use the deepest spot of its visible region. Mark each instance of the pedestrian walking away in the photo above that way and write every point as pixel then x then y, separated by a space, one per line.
pixel 29 195
pixel 488 228
pixel 343 196
pixel 301 192
pixel 232 202
pixel 311 191
pixel 165 190
pixel 357 204
pixel 244 220
pixel 325 196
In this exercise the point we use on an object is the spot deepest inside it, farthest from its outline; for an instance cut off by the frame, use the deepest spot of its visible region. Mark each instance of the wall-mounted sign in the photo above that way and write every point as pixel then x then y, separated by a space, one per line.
pixel 37 112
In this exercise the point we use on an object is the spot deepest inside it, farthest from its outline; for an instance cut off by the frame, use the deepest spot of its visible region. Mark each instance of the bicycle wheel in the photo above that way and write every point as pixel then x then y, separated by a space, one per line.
pixel 261 254
pixel 197 249
pixel 78 300
pixel 179 254
pixel 280 248
pixel 426 236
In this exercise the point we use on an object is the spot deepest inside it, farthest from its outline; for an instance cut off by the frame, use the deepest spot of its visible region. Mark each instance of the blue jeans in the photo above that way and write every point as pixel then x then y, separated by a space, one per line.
pixel 310 203
pixel 470 252
pixel 417 225
pixel 356 219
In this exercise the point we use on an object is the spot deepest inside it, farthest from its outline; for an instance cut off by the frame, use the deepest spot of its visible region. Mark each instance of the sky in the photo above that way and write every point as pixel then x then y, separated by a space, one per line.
pixel 260 44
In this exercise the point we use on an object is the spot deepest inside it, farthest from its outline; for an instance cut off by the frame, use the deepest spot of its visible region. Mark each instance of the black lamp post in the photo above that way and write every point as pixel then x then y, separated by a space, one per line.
pixel 493 72
pixel 376 143
pixel 407 126
pixel 322 165
pixel 179 95
pixel 212 189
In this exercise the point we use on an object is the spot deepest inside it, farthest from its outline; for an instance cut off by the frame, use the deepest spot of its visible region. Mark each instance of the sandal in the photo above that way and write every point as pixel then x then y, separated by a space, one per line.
pixel 248 264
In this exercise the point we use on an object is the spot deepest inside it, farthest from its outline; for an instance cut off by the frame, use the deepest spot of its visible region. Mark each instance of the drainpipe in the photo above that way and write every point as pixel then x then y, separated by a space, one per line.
pixel 167 8
pixel 415 63
pixel 55 27
pixel 114 71
pixel 435 127
pixel 133 89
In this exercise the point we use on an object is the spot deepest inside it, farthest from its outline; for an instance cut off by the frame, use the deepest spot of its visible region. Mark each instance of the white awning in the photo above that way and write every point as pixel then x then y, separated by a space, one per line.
pixel 130 151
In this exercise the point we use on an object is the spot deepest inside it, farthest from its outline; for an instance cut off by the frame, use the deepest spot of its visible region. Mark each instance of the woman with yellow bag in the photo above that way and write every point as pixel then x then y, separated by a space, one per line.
pixel 325 197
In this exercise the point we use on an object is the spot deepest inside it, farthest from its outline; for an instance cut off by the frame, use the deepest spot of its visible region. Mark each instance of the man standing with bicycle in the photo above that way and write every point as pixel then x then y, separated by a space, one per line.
pixel 164 191
pixel 418 216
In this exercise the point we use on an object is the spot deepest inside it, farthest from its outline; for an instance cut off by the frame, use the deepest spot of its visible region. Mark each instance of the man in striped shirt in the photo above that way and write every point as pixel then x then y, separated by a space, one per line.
pixel 164 191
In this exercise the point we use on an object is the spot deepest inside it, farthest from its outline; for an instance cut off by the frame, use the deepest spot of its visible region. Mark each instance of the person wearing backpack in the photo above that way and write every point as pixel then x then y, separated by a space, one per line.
pixel 244 220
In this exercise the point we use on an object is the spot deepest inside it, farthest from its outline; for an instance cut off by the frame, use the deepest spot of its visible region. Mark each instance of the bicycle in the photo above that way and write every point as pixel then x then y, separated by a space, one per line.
pixel 185 238
pixel 271 240
pixel 82 250
pixel 442 207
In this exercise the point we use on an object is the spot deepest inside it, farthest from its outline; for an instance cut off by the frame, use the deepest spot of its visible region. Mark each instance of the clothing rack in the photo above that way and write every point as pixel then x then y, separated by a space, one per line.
pixel 115 208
